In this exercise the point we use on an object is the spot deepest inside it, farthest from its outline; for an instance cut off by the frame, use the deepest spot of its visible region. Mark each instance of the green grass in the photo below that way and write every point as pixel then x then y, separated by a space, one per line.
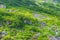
pixel 29 22
pixel 18 30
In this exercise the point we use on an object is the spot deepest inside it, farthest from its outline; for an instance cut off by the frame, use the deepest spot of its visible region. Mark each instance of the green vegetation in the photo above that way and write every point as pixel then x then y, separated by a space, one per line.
pixel 29 20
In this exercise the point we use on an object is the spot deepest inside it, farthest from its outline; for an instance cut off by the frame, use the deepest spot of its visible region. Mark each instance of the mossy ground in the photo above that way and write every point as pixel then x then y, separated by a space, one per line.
pixel 25 24
pixel 29 21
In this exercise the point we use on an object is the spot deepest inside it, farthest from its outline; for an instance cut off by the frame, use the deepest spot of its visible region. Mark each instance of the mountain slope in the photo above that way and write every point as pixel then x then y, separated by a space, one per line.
pixel 29 20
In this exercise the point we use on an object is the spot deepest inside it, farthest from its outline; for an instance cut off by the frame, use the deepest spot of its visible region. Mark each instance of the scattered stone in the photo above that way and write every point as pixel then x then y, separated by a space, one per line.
pixel 43 24
pixel 48 18
pixel 0 24
pixel 54 38
pixel 11 10
pixel 36 15
pixel 46 0
pixel 2 6
pixel 58 38
pixel 0 35
pixel 44 17
pixel 52 27
pixel 4 33
pixel 27 22
pixel 36 36
pixel 40 16
pixel 9 22
pixel 57 31
pixel 30 5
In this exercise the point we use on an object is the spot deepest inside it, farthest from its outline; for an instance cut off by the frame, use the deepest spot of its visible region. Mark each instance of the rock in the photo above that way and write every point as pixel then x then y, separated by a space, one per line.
pixel 27 22
pixel 2 6
pixel 43 17
pixel 11 10
pixel 39 16
pixel 58 38
pixel 9 22
pixel 54 27
pixel 4 33
pixel 36 15
pixel 0 24
pixel 0 35
pixel 36 35
pixel 54 38
pixel 43 24
pixel 57 31
pixel 48 18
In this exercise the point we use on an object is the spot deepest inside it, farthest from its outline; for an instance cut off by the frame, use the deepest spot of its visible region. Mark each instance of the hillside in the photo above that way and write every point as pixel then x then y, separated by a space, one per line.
pixel 29 20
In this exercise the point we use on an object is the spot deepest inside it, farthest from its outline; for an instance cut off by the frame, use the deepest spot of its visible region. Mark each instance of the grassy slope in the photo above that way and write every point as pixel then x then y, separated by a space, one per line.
pixel 24 25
